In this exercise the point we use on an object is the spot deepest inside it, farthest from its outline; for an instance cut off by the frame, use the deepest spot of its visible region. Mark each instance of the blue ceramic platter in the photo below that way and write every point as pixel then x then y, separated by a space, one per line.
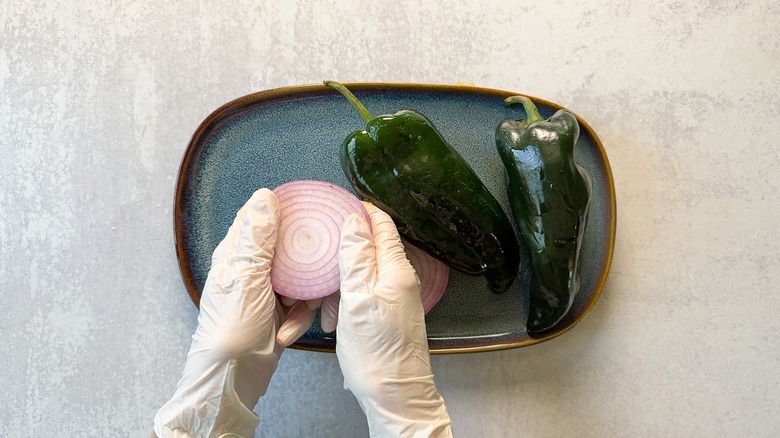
pixel 272 137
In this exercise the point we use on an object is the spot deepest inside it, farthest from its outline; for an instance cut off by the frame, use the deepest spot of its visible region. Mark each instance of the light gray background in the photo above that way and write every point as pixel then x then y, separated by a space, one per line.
pixel 97 104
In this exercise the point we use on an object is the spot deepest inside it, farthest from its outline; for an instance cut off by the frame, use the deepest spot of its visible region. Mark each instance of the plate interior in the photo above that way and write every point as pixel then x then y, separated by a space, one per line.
pixel 273 137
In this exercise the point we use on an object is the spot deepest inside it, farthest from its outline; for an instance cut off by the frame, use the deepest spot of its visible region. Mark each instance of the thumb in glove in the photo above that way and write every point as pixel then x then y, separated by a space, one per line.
pixel 381 342
pixel 234 351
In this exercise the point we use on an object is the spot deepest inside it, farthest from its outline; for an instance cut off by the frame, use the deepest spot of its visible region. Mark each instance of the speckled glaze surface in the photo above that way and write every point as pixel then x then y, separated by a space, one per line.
pixel 276 136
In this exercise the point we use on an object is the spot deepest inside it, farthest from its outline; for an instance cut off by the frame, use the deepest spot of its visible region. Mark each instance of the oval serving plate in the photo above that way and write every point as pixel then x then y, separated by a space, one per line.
pixel 276 136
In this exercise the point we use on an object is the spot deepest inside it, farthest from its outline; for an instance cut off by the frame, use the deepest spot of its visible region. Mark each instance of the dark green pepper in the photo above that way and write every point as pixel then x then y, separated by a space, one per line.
pixel 403 165
pixel 549 194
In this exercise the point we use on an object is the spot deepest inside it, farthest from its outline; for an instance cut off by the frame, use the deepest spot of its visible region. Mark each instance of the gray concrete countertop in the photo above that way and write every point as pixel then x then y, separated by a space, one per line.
pixel 98 101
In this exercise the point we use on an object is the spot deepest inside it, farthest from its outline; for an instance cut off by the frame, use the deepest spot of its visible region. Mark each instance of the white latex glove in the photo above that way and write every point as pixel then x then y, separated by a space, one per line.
pixel 235 350
pixel 381 343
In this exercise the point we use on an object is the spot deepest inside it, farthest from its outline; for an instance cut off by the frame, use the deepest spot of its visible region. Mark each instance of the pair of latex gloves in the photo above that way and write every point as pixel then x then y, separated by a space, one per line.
pixel 243 327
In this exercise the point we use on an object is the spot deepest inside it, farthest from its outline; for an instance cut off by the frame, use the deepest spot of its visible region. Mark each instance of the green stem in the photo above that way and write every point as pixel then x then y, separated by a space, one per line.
pixel 531 112
pixel 351 98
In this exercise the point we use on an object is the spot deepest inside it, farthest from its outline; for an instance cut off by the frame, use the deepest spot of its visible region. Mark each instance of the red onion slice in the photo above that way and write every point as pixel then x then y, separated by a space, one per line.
pixel 305 263
pixel 433 274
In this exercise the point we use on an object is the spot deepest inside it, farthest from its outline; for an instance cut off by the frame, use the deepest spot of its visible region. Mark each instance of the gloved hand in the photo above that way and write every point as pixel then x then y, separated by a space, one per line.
pixel 381 342
pixel 242 331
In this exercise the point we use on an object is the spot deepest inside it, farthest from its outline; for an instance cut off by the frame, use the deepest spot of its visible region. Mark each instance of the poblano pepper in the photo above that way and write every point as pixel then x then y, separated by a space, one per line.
pixel 402 164
pixel 549 194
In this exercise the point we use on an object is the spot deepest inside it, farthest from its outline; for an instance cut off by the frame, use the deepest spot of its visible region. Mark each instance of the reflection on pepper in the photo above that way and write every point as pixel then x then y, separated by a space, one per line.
pixel 549 194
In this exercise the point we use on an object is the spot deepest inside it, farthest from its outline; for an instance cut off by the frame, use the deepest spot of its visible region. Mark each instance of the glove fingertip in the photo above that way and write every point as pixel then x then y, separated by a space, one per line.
pixel 329 312
pixel 286 301
pixel 356 243
pixel 265 203
pixel 314 304
pixel 298 322
pixel 355 224
pixel 259 225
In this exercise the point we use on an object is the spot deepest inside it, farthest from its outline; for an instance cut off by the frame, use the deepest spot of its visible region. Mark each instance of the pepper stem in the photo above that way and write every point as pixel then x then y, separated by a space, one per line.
pixel 351 98
pixel 531 112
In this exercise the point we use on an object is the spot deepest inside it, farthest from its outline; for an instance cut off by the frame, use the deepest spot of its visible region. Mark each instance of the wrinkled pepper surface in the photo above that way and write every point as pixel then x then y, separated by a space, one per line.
pixel 549 194
pixel 402 164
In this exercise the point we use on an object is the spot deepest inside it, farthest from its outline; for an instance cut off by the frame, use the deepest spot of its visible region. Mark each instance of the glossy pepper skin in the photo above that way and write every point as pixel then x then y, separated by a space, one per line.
pixel 403 165
pixel 549 194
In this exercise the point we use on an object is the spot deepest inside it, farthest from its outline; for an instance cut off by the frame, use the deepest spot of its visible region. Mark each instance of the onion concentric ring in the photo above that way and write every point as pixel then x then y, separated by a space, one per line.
pixel 305 263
